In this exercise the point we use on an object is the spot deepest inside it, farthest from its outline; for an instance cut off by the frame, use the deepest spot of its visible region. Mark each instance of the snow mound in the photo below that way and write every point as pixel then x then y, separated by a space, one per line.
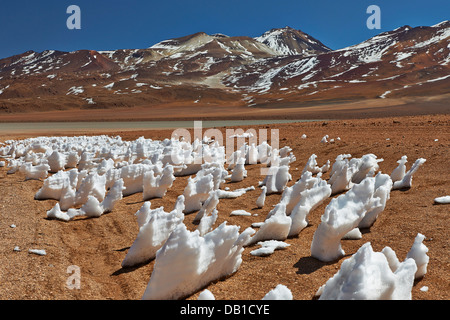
pixel 442 200
pixel 275 227
pixel 240 213
pixel 268 247
pixel 92 207
pixel 289 216
pixel 399 172
pixel 367 276
pixel 156 187
pixel 262 197
pixel 418 252
pixel 208 206
pixel 280 292
pixel 197 192
pixel 312 166
pixel 206 295
pixel 344 213
pixel 345 173
pixel 207 222
pixel 188 262
pixel 406 181
pixel 292 195
pixel 383 186
pixel 36 172
pixel 224 194
pixel 239 172
pixel 39 252
pixel 309 200
pixel 277 179
pixel 153 232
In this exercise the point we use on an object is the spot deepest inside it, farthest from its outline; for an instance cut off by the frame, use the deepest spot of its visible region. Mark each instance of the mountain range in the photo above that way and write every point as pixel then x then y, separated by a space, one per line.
pixel 283 66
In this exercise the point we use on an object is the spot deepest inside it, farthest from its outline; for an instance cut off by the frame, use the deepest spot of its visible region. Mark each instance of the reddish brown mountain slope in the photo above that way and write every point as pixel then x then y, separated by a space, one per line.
pixel 283 67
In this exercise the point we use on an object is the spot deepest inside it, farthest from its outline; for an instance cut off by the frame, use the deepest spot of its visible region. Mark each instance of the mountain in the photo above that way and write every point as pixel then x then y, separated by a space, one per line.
pixel 405 61
pixel 288 41
pixel 281 67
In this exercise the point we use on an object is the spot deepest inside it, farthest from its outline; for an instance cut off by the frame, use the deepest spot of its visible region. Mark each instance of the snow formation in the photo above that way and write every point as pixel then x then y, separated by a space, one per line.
pixel 442 200
pixel 406 181
pixel 155 227
pixel 268 247
pixel 280 292
pixel 262 197
pixel 187 261
pixel 345 173
pixel 369 275
pixel 275 227
pixel 156 187
pixel 399 172
pixel 78 172
pixel 310 199
pixel 346 212
pixel 87 176
pixel 418 252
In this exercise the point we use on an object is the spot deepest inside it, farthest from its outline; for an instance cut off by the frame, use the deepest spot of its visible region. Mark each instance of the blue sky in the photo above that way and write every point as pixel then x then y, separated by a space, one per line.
pixel 115 24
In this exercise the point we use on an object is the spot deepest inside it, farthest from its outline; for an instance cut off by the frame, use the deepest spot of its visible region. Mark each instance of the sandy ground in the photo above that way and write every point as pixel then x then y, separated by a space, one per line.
pixel 352 109
pixel 98 246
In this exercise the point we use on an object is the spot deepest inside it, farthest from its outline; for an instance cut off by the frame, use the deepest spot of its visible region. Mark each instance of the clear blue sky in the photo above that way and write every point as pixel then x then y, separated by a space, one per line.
pixel 114 24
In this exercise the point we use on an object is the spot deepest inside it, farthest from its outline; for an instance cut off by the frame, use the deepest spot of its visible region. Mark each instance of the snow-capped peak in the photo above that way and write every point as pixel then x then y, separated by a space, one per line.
pixel 442 24
pixel 289 41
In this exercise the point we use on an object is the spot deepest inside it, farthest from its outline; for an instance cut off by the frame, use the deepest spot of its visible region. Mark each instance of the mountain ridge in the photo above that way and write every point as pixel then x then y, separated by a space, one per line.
pixel 283 65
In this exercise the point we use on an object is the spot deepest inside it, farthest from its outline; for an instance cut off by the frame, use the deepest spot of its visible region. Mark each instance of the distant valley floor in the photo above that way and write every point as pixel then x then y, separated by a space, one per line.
pixel 282 110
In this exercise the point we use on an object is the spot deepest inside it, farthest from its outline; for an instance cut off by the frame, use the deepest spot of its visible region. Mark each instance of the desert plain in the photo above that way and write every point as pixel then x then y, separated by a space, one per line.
pixel 98 245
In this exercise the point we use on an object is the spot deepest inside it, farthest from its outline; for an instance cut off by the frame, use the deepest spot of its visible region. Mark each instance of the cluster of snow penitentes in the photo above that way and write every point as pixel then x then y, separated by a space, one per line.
pixel 88 175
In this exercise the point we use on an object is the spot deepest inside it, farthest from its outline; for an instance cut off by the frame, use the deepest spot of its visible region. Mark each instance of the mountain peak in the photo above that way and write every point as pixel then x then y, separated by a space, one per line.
pixel 290 41
pixel 445 24
pixel 186 43
pixel 220 35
